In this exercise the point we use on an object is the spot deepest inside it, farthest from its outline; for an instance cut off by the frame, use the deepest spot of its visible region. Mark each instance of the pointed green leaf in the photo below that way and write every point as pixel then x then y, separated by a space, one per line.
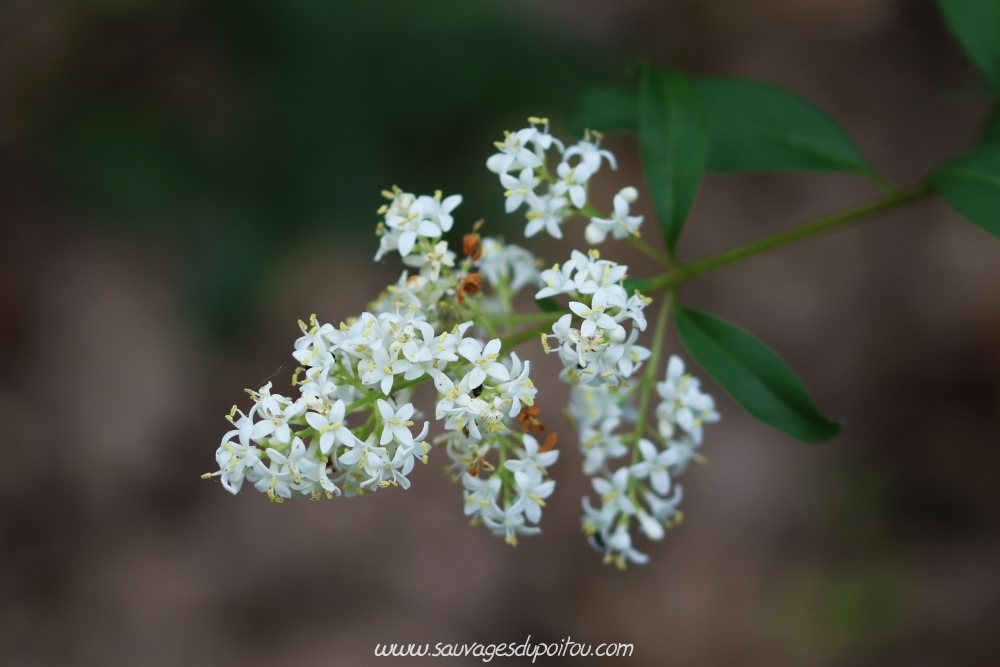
pixel 757 126
pixel 989 129
pixel 606 109
pixel 971 184
pixel 673 138
pixel 754 375
pixel 976 24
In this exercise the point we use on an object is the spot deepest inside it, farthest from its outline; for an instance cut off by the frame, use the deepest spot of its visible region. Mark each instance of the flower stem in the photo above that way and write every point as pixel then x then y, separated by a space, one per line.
pixel 649 378
pixel 649 250
pixel 516 339
pixel 525 318
pixel 648 381
pixel 823 225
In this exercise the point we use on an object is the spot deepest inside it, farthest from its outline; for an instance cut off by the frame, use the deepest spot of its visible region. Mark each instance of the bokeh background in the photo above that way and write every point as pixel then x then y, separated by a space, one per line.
pixel 181 181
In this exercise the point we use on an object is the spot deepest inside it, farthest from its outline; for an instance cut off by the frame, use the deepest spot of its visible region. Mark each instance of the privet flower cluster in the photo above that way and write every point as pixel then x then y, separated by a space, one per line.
pixel 640 488
pixel 600 358
pixel 522 165
pixel 353 427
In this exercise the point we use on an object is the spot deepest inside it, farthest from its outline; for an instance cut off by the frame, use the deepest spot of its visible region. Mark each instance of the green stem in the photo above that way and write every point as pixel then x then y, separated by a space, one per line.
pixel 590 211
pixel 817 227
pixel 649 377
pixel 376 393
pixel 502 471
pixel 534 332
pixel 649 250
pixel 526 318
pixel 649 381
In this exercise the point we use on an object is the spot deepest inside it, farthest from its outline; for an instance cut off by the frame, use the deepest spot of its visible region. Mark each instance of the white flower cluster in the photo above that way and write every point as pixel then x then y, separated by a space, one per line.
pixel 522 167
pixel 643 489
pixel 409 218
pixel 514 495
pixel 597 348
pixel 349 429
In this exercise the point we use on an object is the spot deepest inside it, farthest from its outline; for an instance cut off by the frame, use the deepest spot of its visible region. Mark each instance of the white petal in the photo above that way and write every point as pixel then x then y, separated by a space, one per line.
pixel 406 241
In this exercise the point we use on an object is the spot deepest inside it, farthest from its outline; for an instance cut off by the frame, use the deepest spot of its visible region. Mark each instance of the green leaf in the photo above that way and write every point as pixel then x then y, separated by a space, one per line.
pixel 971 184
pixel 989 129
pixel 673 139
pixel 606 109
pixel 754 375
pixel 976 24
pixel 757 126
pixel 549 305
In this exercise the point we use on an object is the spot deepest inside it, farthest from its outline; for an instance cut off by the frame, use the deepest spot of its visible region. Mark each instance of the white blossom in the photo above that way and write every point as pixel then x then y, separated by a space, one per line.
pixel 655 465
pixel 620 225
pixel 515 152
pixel 546 212
pixel 518 188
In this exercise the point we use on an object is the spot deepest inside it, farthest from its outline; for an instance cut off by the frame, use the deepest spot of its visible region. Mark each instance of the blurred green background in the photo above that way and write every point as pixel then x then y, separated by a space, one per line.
pixel 180 181
pixel 230 132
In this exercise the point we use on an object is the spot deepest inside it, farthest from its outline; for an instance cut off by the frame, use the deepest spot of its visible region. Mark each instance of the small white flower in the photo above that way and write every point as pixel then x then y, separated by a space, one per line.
pixel 573 181
pixel 515 152
pixel 237 459
pixel 396 423
pixel 409 228
pixel 632 355
pixel 593 315
pixel 331 427
pixel 615 491
pixel 598 521
pixel 480 494
pixel 664 509
pixel 387 242
pixel 531 460
pixel 484 361
pixel 542 139
pixel 381 369
pixel 278 410
pixel 557 281
pixel 533 492
pixel 518 188
pixel 655 465
pixel 620 549
pixel 450 392
pixel 492 414
pixel 591 154
pixel 620 224
pixel 593 273
pixel 436 211
pixel 650 527
pixel 519 389
pixel 600 444
pixel 508 522
pixel 431 262
pixel 547 212
pixel 684 404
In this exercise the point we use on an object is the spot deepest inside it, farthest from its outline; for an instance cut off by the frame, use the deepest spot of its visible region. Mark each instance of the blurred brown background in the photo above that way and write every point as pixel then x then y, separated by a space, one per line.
pixel 180 181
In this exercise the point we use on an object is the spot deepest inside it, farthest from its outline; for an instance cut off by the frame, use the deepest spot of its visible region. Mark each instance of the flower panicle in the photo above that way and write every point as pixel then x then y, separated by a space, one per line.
pixel 553 198
pixel 352 428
